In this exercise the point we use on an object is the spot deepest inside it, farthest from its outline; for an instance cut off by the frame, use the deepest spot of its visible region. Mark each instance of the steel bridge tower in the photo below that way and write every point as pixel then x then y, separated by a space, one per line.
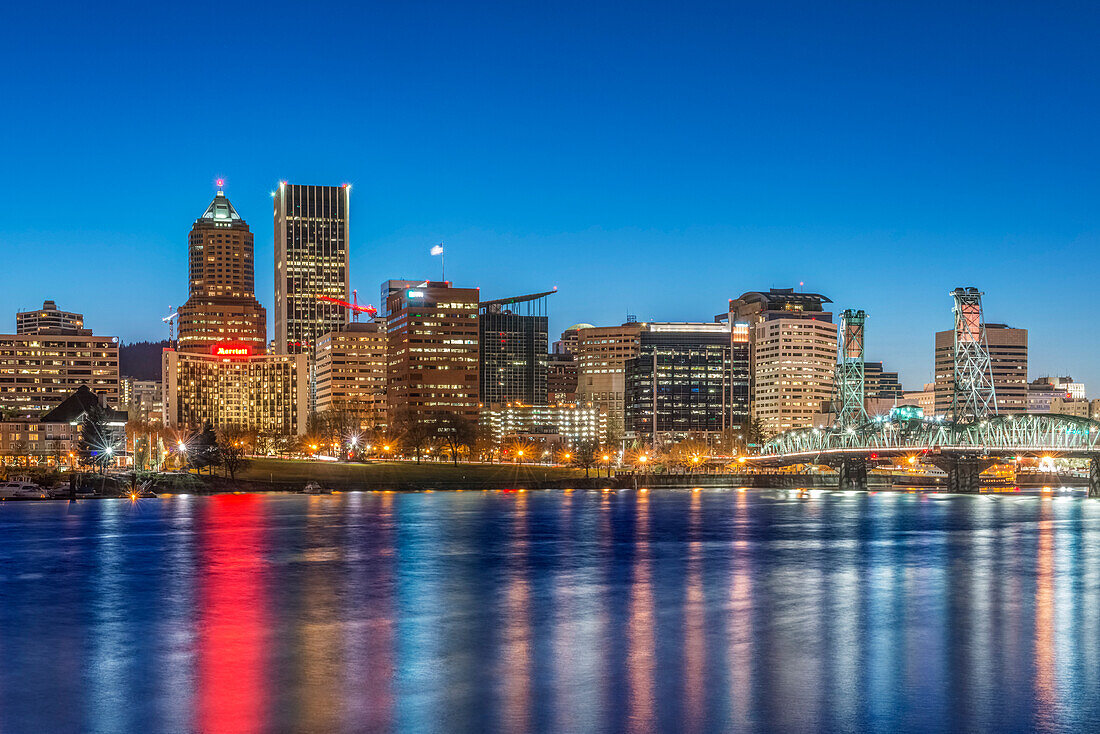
pixel 974 396
pixel 848 380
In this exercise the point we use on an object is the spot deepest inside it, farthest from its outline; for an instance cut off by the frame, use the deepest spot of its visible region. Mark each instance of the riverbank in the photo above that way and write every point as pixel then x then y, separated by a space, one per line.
pixel 266 474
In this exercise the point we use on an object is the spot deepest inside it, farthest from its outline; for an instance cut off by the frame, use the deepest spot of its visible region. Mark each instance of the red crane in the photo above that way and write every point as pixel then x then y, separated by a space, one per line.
pixel 354 306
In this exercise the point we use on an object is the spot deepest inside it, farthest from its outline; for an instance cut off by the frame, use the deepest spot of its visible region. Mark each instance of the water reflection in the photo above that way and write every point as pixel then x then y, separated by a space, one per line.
pixel 544 611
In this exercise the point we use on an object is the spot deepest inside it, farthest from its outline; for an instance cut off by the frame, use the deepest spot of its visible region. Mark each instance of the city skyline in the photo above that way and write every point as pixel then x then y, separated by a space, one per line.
pixel 753 132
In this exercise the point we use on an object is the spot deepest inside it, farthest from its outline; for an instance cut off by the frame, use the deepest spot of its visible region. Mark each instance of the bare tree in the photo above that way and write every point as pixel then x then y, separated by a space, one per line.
pixel 456 432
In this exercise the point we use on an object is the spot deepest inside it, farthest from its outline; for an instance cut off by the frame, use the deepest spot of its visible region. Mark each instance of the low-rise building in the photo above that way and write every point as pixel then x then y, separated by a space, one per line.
pixel 572 423
pixel 53 438
pixel 143 400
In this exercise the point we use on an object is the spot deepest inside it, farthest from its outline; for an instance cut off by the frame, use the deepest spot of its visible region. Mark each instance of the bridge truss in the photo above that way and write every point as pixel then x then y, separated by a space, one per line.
pixel 1026 433
pixel 849 379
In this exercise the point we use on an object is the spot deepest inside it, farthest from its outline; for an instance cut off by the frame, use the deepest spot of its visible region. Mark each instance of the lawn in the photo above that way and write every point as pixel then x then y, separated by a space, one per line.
pixel 399 473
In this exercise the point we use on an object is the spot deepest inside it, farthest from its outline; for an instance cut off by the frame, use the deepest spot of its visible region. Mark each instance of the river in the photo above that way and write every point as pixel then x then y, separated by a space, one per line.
pixel 672 610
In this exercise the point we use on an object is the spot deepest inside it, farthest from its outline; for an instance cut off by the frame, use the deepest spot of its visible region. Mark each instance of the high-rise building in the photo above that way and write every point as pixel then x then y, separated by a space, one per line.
pixel 791 355
pixel 267 393
pixel 38 371
pixel 350 370
pixel 48 318
pixel 602 353
pixel 1008 358
pixel 311 260
pixel 221 305
pixel 678 384
pixel 432 352
pixel 513 345
pixel 567 344
pixel 561 379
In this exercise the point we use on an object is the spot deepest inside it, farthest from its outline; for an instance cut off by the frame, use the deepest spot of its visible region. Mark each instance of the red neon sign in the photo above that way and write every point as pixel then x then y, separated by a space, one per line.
pixel 231 349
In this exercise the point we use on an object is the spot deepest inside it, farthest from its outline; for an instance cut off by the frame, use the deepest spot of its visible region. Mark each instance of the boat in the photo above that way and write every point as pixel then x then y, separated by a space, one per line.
pixel 315 488
pixel 21 488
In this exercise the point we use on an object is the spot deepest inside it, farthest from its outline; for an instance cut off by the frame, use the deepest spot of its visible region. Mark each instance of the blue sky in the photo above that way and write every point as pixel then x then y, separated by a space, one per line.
pixel 646 158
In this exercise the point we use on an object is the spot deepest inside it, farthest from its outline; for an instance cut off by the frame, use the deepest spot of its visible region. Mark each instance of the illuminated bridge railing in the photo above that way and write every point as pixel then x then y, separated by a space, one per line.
pixel 1026 432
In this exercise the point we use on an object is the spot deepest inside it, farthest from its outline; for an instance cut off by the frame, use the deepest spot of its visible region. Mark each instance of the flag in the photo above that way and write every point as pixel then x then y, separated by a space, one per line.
pixel 437 250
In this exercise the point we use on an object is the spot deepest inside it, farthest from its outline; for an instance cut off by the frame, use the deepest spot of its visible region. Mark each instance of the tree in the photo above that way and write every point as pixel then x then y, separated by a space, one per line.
pixel 585 454
pixel 20 450
pixel 456 432
pixel 689 453
pixel 96 445
pixel 757 434
pixel 232 458
pixel 414 432
pixel 202 451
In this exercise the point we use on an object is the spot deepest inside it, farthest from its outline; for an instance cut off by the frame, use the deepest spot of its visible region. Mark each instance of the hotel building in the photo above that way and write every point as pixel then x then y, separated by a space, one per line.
pixel 567 425
pixel 311 260
pixel 232 387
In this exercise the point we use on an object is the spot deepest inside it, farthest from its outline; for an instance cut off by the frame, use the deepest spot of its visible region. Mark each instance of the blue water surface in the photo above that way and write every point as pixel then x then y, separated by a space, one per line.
pixel 672 610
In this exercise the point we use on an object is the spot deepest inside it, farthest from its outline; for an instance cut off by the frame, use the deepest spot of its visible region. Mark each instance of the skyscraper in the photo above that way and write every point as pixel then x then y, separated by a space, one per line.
pixel 792 355
pixel 678 384
pixel 513 342
pixel 311 261
pixel 432 352
pixel 222 306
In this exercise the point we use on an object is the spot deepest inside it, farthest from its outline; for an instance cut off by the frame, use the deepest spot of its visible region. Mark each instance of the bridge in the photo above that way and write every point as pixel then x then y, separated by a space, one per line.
pixel 965 442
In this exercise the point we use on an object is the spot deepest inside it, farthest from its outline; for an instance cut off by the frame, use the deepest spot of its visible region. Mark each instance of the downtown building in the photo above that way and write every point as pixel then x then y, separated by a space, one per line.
pixel 311 262
pixel 678 384
pixel 48 318
pixel 547 425
pixel 143 400
pixel 39 370
pixel 1008 359
pixel 53 438
pixel 601 354
pixel 350 371
pixel 512 343
pixel 432 353
pixel 266 393
pixel 221 306
pixel 791 345
pixel 220 374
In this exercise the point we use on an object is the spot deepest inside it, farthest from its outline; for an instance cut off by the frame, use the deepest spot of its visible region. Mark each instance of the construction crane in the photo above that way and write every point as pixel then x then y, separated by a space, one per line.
pixel 354 306
pixel 170 319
